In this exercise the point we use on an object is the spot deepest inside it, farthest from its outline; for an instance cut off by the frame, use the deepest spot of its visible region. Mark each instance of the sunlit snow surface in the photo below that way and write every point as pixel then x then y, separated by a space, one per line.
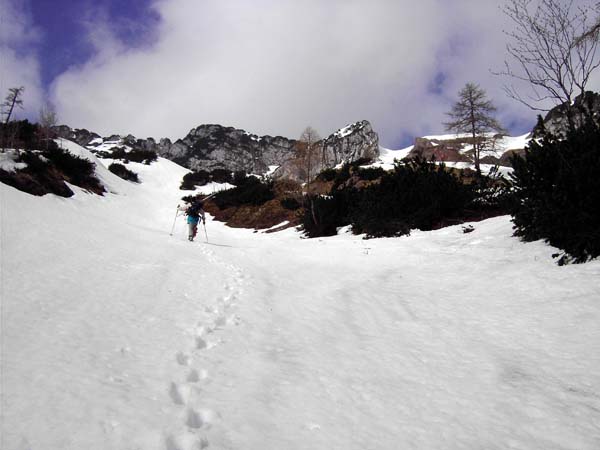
pixel 116 335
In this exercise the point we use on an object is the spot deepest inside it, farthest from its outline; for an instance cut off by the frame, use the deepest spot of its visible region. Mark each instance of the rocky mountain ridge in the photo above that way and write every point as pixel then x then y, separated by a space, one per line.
pixel 211 146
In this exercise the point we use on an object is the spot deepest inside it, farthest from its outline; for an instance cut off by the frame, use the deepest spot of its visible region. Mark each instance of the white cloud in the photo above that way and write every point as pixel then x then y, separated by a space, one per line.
pixel 18 64
pixel 276 66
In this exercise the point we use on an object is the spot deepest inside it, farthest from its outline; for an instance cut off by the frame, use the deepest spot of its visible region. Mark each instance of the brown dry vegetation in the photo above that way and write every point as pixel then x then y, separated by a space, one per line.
pixel 262 216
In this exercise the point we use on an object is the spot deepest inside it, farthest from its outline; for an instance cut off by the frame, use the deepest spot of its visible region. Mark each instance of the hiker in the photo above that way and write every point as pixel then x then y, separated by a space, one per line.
pixel 194 212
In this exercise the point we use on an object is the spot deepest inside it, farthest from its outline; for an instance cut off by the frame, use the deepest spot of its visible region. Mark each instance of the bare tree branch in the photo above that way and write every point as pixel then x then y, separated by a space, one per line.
pixel 548 49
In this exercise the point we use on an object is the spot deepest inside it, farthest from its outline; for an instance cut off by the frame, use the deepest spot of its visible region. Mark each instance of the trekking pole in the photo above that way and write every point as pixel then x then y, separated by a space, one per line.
pixel 174 220
pixel 205 234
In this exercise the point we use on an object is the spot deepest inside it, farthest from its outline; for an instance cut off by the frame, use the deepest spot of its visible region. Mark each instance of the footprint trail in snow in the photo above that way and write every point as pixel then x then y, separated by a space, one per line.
pixel 189 377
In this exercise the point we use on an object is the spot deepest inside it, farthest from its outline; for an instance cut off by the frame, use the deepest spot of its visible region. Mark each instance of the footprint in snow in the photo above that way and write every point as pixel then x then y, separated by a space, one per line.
pixel 179 394
pixel 193 376
pixel 199 419
pixel 172 444
pixel 203 329
pixel 196 375
pixel 183 359
pixel 200 343
pixel 194 419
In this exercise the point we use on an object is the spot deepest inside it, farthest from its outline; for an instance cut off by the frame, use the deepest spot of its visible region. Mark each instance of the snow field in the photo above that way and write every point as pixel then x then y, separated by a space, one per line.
pixel 116 335
pixel 439 340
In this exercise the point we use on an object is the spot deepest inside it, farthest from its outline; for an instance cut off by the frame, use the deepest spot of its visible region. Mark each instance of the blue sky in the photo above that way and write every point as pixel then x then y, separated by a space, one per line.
pixel 161 67
pixel 64 24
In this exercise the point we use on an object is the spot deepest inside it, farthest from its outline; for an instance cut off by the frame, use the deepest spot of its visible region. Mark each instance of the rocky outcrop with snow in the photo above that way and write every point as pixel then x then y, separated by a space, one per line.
pixel 209 147
pixel 441 148
pixel 459 149
pixel 351 143
pixel 80 136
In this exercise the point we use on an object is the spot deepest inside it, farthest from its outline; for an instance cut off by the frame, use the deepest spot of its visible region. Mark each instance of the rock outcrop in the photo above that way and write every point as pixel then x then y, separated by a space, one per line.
pixel 356 141
pixel 81 136
pixel 460 150
pixel 557 121
pixel 209 147
pixel 349 144
pixel 441 149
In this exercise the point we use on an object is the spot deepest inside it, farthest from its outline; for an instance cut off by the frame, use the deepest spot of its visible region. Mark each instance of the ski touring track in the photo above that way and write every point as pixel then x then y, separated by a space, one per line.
pixel 193 369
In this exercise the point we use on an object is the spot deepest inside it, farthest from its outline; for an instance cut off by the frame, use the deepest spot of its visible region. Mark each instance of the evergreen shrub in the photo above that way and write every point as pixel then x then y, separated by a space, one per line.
pixel 557 192
pixel 416 194
pixel 250 191
pixel 123 172
pixel 290 203
pixel 134 155
pixel 193 179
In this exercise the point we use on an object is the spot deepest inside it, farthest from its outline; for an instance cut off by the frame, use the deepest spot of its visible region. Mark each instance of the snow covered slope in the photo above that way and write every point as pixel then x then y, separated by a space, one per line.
pixel 116 335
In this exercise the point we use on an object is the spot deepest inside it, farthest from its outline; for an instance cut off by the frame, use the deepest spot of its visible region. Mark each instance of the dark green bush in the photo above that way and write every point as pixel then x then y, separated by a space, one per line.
pixel 327 175
pixel 203 177
pixel 557 190
pixel 47 171
pixel 251 191
pixel 290 203
pixel 221 176
pixel 193 179
pixel 38 178
pixel 416 194
pixel 323 215
pixel 134 155
pixel 123 172
pixel 78 171
pixel 239 178
pixel 370 173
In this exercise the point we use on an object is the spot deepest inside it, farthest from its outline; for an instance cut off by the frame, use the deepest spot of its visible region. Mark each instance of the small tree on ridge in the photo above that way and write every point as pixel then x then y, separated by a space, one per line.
pixel 473 114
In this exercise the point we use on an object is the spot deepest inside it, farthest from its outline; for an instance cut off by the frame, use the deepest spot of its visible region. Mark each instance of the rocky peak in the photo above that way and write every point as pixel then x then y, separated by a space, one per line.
pixel 351 143
pixel 208 147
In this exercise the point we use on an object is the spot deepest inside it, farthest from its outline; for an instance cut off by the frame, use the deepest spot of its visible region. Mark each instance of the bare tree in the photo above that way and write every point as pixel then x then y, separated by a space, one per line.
pixel 308 154
pixel 13 99
pixel 47 120
pixel 308 157
pixel 546 51
pixel 473 114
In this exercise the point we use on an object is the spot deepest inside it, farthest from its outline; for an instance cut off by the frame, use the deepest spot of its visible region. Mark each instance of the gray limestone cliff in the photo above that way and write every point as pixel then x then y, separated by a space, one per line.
pixel 209 147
